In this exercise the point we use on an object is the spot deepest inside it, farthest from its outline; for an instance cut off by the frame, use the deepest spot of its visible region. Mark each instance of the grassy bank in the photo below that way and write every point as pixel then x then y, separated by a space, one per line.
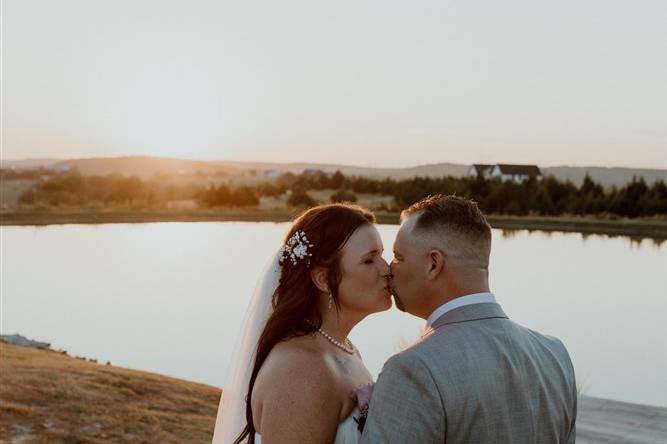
pixel 648 228
pixel 48 397
pixel 110 216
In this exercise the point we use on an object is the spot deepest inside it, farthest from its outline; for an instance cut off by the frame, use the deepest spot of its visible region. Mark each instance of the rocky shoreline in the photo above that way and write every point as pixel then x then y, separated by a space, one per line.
pixel 22 341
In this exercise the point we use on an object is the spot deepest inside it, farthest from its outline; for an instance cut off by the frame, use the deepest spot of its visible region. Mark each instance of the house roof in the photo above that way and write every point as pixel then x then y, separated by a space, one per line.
pixel 526 170
pixel 481 168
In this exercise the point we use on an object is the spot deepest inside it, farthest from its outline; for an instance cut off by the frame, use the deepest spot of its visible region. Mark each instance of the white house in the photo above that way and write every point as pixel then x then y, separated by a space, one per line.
pixel 479 169
pixel 516 173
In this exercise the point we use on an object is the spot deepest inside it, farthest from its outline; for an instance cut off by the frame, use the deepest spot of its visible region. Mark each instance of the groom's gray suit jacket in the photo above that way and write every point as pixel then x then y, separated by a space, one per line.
pixel 477 377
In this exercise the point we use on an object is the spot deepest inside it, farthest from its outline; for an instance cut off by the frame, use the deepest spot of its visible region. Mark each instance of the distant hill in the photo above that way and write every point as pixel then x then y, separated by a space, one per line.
pixel 437 170
pixel 142 166
pixel 145 166
pixel 29 163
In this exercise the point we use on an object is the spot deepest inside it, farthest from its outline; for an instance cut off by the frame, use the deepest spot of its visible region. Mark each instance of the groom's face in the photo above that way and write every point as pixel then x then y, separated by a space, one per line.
pixel 407 268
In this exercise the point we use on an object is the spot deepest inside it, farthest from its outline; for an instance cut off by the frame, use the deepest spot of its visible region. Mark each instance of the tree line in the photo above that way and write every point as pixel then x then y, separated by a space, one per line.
pixel 547 196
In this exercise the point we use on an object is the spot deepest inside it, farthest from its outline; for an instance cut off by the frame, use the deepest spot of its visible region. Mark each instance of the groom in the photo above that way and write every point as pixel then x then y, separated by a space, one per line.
pixel 476 376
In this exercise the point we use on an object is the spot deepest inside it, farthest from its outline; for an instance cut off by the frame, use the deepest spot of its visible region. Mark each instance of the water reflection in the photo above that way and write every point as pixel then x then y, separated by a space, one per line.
pixel 632 241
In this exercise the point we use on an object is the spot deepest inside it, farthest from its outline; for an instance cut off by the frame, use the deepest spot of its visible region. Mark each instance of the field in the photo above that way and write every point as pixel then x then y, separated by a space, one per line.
pixel 11 190
pixel 49 397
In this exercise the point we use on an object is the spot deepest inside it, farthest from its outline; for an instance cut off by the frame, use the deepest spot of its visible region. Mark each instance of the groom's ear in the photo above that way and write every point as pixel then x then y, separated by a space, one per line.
pixel 320 277
pixel 437 263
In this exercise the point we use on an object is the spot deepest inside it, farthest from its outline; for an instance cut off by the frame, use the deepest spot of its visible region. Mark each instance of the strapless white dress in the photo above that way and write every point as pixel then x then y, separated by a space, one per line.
pixel 347 432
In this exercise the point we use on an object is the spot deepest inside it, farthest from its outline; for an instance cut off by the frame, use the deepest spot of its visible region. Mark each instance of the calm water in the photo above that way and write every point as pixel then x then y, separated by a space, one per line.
pixel 169 298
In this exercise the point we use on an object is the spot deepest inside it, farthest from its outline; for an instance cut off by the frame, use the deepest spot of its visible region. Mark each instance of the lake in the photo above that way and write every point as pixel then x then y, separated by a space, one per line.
pixel 170 297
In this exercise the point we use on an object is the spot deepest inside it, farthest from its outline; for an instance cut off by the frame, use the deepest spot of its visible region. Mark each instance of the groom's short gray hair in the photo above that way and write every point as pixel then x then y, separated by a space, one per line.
pixel 458 223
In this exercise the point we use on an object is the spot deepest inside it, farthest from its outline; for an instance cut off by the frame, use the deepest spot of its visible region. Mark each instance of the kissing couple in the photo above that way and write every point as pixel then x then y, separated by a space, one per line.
pixel 475 376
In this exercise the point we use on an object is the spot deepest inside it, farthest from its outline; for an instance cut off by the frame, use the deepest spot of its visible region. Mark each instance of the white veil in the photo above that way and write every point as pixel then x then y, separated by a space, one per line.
pixel 232 410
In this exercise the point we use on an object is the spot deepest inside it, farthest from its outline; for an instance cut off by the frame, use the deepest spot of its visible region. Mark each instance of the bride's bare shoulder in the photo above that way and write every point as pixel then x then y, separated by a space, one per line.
pixel 296 393
pixel 299 354
pixel 296 362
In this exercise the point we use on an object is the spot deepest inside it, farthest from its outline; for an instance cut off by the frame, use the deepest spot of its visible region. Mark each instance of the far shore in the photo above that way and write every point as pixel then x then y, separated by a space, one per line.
pixel 636 228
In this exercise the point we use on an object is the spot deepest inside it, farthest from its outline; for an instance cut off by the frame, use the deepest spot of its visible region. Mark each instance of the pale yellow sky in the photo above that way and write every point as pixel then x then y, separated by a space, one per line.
pixel 377 83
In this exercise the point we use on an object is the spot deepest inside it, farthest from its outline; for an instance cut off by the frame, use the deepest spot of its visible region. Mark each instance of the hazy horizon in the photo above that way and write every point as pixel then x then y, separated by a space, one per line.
pixel 314 163
pixel 371 84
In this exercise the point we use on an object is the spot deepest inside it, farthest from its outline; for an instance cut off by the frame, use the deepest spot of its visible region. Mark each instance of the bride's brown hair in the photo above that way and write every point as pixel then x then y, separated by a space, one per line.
pixel 327 227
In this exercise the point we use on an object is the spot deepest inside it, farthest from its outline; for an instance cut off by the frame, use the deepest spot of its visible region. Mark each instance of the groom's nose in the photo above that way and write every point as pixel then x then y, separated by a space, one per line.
pixel 385 266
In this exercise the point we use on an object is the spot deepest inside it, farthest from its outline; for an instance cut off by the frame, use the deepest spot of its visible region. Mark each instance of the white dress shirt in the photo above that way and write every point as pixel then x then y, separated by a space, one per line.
pixel 477 298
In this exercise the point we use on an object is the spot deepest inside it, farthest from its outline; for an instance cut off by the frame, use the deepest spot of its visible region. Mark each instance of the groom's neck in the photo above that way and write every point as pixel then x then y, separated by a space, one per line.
pixel 450 292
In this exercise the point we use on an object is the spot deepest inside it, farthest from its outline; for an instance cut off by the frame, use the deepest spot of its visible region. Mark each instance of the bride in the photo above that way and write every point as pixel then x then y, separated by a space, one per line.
pixel 295 371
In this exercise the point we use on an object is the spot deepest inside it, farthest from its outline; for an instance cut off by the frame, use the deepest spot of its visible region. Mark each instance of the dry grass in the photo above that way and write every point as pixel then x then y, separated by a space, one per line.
pixel 367 200
pixel 48 397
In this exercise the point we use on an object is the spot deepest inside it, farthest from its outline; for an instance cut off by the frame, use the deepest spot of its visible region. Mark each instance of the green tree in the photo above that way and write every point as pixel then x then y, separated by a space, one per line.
pixel 243 197
pixel 337 180
pixel 343 196
pixel 300 199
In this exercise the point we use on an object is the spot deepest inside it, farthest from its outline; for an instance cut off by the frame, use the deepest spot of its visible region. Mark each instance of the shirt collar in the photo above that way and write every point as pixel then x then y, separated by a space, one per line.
pixel 476 298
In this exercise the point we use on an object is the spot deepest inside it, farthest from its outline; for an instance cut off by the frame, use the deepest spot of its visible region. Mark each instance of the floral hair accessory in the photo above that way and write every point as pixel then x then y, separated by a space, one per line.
pixel 296 248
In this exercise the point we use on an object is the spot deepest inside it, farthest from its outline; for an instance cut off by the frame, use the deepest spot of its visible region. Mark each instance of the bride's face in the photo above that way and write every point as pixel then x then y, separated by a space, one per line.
pixel 364 284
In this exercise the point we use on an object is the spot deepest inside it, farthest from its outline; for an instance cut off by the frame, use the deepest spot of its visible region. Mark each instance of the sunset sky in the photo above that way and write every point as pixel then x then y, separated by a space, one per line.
pixel 377 83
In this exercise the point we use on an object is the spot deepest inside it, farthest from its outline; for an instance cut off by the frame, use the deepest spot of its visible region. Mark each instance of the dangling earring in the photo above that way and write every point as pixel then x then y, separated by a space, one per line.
pixel 330 300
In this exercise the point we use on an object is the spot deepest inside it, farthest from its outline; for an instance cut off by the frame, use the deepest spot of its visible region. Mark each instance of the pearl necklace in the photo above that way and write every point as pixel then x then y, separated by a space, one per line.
pixel 347 347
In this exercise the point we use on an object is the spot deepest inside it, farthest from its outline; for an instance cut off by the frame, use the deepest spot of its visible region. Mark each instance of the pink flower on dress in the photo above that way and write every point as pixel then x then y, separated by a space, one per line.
pixel 363 395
